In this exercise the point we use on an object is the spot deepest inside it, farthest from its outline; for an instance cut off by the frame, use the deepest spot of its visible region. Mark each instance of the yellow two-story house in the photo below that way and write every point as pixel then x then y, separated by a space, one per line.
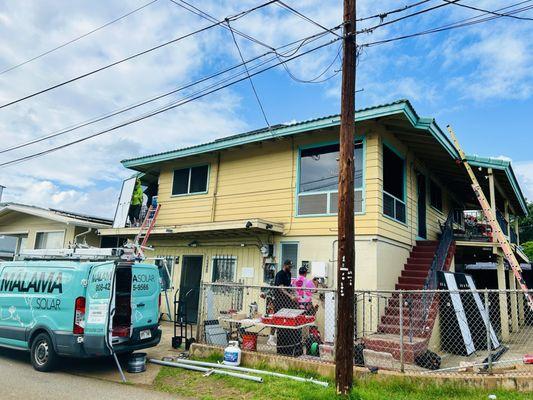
pixel 233 209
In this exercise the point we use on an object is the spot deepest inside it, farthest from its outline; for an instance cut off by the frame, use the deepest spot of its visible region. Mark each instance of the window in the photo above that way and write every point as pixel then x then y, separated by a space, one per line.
pixel 224 268
pixel 435 195
pixel 319 175
pixel 190 180
pixel 393 185
pixel 49 240
pixel 289 251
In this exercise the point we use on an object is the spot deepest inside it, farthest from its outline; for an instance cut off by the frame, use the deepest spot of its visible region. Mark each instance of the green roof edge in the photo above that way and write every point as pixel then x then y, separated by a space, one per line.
pixel 504 165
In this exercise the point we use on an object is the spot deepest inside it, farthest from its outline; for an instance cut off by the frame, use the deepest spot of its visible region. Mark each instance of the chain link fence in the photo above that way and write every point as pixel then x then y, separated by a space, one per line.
pixel 438 331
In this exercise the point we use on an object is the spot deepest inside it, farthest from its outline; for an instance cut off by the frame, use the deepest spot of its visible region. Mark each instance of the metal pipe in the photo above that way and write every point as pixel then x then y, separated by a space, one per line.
pixel 513 361
pixel 208 370
pixel 82 234
pixel 255 371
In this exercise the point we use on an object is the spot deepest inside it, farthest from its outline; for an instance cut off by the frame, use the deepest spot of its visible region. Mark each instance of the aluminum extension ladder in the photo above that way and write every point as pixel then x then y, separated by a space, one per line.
pixel 493 222
pixel 146 227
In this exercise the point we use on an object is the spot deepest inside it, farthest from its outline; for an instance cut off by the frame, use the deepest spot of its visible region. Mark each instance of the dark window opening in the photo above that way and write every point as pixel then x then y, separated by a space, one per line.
pixel 435 195
pixel 393 185
pixel 190 180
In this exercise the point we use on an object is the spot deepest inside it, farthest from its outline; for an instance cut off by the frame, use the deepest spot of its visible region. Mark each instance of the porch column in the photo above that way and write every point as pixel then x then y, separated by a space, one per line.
pixel 492 191
pixel 514 302
pixel 506 216
pixel 504 317
pixel 517 231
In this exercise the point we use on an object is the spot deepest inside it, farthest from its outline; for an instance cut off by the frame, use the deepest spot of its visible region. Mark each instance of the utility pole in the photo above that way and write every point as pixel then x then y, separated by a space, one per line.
pixel 346 224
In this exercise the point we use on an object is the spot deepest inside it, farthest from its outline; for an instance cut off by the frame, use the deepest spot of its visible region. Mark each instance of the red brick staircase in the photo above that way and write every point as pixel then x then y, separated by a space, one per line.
pixel 417 322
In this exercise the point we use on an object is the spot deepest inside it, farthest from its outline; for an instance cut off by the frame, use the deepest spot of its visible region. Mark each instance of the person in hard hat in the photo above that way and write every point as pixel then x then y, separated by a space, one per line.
pixel 136 203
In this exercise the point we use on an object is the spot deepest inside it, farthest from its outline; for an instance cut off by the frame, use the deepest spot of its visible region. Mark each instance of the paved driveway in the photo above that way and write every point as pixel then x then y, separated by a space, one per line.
pixel 18 380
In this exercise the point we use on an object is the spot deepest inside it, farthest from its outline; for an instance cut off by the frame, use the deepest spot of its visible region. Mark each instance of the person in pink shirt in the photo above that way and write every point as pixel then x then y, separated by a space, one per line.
pixel 304 291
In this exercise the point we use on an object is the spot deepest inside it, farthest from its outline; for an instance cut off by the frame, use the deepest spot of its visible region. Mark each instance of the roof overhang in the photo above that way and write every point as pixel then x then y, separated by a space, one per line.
pixel 402 108
pixel 50 215
pixel 226 228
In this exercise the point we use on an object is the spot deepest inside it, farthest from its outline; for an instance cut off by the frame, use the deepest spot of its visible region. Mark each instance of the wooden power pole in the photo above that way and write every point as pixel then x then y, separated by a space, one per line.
pixel 346 253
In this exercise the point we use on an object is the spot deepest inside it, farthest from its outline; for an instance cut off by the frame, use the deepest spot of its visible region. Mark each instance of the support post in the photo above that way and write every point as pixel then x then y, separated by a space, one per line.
pixel 346 223
pixel 487 328
pixel 517 230
pixel 513 294
pixel 400 300
pixel 492 192
pixel 504 316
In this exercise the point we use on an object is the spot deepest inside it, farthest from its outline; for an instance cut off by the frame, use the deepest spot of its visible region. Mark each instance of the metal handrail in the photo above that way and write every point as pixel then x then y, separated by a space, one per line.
pixel 438 264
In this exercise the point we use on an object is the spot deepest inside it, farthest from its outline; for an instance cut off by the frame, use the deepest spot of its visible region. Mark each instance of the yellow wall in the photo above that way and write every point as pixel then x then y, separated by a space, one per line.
pixel 259 181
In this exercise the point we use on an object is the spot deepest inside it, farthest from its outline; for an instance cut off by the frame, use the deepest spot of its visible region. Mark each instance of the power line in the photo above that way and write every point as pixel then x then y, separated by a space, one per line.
pixel 196 96
pixel 458 24
pixel 197 11
pixel 93 120
pixel 385 14
pixel 233 18
pixel 77 38
pixel 414 14
pixel 248 74
pixel 303 16
pixel 490 12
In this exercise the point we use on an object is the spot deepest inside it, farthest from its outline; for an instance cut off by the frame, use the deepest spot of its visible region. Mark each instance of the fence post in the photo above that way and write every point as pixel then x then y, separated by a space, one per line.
pixel 364 314
pixel 401 331
pixel 487 327
pixel 200 316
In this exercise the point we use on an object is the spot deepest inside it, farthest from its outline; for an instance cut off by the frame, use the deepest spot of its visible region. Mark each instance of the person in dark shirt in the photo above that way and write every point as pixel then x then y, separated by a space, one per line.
pixel 282 298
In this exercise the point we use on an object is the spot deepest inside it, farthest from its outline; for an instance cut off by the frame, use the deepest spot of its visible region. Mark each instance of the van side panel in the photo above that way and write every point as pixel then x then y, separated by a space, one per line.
pixel 35 297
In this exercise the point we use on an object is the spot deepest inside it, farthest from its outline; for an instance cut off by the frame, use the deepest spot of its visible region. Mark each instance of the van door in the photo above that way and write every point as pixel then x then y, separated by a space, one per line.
pixel 99 303
pixel 146 289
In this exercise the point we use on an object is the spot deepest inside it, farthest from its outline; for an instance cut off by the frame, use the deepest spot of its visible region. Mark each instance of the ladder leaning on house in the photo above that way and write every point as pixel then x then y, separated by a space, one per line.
pixel 146 228
pixel 493 222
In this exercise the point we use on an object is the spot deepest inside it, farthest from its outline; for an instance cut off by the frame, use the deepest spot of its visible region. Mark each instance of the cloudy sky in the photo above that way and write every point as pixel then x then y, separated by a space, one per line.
pixel 478 78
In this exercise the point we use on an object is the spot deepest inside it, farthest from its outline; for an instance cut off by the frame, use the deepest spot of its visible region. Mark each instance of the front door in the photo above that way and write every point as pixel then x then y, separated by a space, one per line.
pixel 191 273
pixel 421 185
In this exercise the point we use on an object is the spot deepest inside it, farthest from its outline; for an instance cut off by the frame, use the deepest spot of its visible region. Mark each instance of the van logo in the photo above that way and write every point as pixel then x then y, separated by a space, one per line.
pixel 38 282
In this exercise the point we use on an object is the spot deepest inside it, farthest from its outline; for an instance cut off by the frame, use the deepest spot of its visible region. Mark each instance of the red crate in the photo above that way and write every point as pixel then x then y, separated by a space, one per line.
pixel 290 321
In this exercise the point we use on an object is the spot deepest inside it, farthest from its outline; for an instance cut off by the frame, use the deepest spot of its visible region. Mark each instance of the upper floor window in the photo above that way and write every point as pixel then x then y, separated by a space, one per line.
pixel 435 195
pixel 191 180
pixel 393 185
pixel 319 176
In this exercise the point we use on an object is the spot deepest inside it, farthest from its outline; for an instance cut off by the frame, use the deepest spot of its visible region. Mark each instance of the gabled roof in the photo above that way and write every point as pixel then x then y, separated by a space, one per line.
pixel 429 135
pixel 65 217
pixel 505 167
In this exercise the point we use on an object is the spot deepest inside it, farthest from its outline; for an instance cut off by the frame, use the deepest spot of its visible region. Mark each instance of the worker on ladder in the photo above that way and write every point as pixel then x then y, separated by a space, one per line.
pixel 136 204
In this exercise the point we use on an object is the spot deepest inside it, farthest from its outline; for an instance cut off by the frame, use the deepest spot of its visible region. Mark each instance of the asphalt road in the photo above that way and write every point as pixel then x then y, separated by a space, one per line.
pixel 18 380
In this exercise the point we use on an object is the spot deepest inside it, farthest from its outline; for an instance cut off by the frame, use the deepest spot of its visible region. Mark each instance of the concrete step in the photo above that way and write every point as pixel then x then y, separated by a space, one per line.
pixel 417 324
pixel 390 343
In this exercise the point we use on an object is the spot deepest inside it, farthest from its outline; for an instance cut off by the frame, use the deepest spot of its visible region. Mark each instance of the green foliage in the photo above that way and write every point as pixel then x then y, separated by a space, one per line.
pixel 194 384
pixel 525 225
pixel 528 249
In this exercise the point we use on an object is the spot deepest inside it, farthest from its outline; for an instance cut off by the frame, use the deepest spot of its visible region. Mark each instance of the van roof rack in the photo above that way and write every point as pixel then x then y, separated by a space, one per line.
pixel 86 254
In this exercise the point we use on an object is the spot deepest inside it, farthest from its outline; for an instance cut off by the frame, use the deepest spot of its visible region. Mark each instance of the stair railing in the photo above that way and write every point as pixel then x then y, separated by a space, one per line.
pixel 438 264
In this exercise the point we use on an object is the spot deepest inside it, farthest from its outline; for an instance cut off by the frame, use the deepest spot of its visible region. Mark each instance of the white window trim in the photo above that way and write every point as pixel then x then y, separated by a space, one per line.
pixel 189 181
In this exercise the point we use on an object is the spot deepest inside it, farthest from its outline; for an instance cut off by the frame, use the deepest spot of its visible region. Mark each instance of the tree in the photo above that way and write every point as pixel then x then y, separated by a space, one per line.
pixel 528 249
pixel 525 225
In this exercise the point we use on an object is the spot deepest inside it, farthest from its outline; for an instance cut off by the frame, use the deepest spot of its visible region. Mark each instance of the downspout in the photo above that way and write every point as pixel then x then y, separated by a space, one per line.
pixel 82 234
pixel 215 190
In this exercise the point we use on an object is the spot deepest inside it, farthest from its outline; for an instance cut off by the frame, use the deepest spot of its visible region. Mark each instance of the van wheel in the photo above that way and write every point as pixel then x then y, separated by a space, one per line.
pixel 43 356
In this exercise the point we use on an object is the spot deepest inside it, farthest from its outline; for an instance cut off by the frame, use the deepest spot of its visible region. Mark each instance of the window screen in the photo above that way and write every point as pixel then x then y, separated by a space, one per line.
pixel 190 180
pixel 49 240
pixel 319 174
pixel 435 195
pixel 289 251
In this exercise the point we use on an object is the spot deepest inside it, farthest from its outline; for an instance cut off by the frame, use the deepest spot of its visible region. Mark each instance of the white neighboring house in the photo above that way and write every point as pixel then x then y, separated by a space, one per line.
pixel 29 227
